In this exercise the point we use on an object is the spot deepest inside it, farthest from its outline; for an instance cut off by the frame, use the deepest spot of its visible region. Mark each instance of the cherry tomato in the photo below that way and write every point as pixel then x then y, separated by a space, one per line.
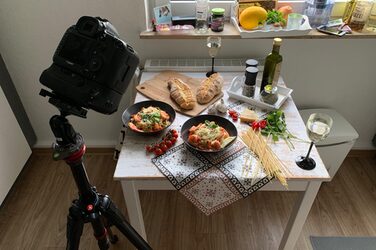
pixel 173 131
pixel 262 124
pixel 173 141
pixel 175 134
pixel 168 143
pixel 234 118
pixel 255 125
pixel 231 112
pixel 149 148
pixel 158 151
pixel 163 147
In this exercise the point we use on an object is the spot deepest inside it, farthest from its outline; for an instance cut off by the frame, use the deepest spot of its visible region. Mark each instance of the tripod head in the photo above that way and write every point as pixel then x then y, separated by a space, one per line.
pixel 64 107
pixel 68 140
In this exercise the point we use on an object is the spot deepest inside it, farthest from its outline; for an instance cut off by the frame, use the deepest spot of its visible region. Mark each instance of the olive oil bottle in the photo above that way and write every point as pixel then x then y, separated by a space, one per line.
pixel 272 67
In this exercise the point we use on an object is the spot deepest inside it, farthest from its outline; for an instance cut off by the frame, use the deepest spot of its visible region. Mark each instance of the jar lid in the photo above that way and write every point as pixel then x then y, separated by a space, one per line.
pixel 270 89
pixel 252 70
pixel 218 11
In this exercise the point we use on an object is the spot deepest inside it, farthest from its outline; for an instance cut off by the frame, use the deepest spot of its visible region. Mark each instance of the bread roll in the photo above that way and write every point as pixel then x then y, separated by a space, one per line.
pixel 209 88
pixel 181 93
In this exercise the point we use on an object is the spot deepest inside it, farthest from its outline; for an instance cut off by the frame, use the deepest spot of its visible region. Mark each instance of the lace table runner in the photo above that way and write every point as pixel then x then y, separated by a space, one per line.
pixel 212 181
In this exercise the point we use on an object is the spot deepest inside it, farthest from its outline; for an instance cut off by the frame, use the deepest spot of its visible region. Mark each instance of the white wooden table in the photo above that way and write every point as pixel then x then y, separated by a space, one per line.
pixel 136 171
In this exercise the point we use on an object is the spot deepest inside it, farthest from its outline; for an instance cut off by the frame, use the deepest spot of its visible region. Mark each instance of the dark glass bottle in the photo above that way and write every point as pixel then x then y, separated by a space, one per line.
pixel 272 67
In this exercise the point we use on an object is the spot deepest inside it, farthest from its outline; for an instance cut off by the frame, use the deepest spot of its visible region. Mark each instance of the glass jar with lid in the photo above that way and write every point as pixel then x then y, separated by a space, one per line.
pixel 269 94
pixel 217 19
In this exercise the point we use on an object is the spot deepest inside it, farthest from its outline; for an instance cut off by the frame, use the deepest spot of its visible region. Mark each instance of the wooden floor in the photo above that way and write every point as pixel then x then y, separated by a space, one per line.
pixel 34 213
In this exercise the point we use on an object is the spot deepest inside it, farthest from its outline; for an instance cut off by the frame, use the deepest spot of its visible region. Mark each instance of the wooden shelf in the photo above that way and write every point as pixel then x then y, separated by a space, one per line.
pixel 230 32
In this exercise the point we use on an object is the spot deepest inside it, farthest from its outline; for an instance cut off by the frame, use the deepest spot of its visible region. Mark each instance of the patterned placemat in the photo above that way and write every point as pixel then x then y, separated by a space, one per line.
pixel 212 180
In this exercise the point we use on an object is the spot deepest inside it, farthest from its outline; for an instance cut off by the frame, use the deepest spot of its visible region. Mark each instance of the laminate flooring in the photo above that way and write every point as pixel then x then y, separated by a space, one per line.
pixel 33 216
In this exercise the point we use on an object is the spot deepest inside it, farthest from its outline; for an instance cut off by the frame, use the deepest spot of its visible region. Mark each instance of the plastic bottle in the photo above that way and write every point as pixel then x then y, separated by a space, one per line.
pixel 318 11
pixel 202 8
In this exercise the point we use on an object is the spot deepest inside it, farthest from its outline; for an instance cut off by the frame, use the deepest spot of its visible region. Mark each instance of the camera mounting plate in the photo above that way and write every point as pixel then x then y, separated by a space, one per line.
pixel 64 107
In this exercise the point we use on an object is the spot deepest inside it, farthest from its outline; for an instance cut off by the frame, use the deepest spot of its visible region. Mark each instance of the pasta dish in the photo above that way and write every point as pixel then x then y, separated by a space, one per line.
pixel 209 136
pixel 150 119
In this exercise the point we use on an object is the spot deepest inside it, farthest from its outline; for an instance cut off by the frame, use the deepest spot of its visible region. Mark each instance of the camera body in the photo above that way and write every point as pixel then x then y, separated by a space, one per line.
pixel 92 67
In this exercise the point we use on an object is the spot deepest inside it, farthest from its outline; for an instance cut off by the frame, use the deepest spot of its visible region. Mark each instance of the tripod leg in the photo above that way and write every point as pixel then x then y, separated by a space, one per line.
pixel 100 231
pixel 75 225
pixel 115 217
pixel 111 236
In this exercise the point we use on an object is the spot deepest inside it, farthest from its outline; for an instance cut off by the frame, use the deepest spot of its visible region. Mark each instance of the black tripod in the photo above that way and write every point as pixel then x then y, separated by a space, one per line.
pixel 98 209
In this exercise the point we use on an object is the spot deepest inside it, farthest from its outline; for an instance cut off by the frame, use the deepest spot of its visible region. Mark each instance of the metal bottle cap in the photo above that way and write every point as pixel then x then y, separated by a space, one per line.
pixel 277 41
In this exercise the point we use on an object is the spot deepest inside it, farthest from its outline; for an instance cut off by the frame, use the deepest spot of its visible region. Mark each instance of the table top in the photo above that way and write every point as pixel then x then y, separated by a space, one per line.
pixel 135 164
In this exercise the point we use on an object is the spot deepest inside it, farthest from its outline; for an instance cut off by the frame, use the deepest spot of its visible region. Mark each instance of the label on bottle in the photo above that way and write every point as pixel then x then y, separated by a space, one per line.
pixel 276 74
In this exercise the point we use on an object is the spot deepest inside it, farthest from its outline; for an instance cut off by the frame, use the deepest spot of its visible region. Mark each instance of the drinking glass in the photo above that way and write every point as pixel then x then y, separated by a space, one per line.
pixel 294 20
pixel 318 128
pixel 214 44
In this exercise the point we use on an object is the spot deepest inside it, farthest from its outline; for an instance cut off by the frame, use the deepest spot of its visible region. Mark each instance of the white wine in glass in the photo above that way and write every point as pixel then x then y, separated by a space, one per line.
pixel 214 45
pixel 318 128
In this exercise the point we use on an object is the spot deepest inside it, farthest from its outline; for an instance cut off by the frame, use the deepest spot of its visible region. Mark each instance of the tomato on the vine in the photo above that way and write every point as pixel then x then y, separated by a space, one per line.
pixel 163 147
pixel 168 143
pixel 262 124
pixel 149 148
pixel 164 144
pixel 255 125
pixel 158 151
pixel 175 134
pixel 231 112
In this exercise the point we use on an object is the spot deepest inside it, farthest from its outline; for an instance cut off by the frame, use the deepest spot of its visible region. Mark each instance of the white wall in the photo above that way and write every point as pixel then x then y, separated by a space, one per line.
pixel 337 73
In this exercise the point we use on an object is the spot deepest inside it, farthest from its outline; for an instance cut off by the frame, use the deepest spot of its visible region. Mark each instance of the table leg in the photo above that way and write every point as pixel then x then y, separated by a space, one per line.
pixel 299 215
pixel 132 201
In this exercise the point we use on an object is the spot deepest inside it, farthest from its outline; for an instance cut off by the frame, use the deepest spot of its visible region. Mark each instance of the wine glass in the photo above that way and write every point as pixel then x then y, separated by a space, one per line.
pixel 318 128
pixel 214 44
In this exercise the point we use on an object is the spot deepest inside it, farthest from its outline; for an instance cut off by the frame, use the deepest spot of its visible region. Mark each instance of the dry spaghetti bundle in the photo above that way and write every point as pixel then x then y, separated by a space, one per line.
pixel 272 166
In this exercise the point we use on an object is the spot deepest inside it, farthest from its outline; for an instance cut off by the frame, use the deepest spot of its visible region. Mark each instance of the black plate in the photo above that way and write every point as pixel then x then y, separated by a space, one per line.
pixel 223 122
pixel 135 108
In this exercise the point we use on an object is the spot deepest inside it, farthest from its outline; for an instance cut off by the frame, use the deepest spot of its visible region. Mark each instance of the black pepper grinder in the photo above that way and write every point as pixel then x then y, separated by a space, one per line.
pixel 251 63
pixel 250 81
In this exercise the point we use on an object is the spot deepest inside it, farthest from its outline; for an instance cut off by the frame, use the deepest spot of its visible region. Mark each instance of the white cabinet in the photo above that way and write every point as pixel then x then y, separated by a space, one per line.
pixel 14 149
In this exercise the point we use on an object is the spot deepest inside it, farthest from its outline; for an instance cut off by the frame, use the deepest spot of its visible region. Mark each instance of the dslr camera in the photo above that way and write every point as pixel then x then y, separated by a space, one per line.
pixel 92 67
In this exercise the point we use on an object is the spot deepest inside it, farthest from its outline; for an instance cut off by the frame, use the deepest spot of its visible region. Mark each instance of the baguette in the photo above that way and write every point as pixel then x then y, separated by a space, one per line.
pixel 181 93
pixel 209 88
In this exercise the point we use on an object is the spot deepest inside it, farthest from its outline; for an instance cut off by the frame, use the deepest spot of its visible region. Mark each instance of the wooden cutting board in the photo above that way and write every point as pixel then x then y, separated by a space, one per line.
pixel 156 89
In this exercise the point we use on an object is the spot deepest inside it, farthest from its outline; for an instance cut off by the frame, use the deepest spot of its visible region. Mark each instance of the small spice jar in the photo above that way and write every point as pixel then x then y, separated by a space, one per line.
pixel 217 19
pixel 250 82
pixel 251 63
pixel 269 94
